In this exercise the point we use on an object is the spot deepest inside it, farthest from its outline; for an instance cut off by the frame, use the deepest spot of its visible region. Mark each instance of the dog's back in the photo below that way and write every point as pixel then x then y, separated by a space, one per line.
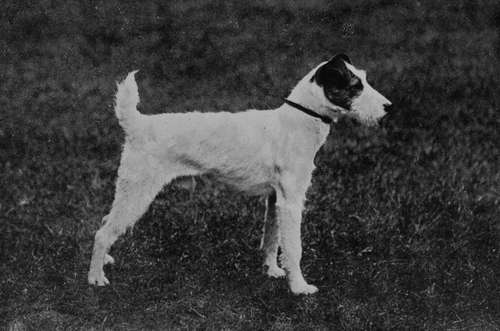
pixel 198 142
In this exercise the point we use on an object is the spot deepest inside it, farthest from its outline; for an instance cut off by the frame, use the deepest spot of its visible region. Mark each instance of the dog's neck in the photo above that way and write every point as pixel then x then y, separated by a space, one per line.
pixel 310 95
pixel 305 96
pixel 314 127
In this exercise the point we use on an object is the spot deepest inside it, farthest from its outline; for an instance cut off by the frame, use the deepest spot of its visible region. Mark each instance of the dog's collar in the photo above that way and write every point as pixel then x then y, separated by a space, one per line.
pixel 324 119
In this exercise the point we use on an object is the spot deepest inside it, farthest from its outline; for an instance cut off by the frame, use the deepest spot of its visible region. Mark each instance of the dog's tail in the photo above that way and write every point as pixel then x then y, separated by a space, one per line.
pixel 126 100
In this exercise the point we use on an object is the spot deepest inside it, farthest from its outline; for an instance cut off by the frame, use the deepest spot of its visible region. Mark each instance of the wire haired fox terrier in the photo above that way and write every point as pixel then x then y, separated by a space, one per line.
pixel 267 152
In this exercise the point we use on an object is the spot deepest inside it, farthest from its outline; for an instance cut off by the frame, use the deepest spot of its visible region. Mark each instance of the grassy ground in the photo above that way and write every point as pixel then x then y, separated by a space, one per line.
pixel 402 224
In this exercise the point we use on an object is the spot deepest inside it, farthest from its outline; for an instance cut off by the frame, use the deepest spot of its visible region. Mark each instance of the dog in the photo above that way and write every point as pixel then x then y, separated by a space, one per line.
pixel 260 152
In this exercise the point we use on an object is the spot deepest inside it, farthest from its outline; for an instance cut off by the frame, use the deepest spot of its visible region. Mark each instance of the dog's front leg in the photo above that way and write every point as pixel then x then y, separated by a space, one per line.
pixel 290 204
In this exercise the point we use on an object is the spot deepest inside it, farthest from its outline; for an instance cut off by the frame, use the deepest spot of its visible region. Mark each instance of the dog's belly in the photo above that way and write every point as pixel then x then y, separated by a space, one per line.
pixel 189 183
pixel 256 182
pixel 251 189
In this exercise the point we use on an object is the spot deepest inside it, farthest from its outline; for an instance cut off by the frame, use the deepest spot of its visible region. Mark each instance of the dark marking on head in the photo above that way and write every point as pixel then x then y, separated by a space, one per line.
pixel 271 199
pixel 339 84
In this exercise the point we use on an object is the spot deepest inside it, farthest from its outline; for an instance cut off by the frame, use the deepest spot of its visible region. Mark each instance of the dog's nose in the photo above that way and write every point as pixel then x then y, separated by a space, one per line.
pixel 388 108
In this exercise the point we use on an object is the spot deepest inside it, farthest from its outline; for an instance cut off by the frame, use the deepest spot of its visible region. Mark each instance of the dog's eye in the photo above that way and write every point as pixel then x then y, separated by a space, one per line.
pixel 357 84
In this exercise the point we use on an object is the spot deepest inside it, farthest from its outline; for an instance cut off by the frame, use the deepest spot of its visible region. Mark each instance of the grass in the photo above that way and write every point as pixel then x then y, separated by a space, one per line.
pixel 401 228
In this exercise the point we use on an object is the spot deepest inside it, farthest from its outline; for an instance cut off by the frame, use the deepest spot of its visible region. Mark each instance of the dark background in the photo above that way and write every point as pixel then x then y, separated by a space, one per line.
pixel 401 229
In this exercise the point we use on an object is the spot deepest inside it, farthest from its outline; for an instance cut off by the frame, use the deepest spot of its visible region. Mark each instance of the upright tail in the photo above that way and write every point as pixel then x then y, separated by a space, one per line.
pixel 126 100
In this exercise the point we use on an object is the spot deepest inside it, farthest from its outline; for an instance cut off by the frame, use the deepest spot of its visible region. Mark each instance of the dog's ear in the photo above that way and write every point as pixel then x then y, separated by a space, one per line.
pixel 342 57
pixel 334 73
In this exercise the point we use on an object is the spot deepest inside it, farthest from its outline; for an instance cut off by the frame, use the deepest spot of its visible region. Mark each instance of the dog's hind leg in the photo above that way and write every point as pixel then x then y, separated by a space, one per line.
pixel 137 185
pixel 270 239
pixel 132 198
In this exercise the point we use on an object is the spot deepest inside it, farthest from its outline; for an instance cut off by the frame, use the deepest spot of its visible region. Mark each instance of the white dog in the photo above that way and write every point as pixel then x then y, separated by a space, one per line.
pixel 267 152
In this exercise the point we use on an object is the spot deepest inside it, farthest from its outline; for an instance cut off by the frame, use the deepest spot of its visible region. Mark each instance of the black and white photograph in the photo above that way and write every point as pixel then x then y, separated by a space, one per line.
pixel 249 165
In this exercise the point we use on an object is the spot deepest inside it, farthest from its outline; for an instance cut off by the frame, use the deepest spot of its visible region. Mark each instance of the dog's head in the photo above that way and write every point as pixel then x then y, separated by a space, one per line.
pixel 344 88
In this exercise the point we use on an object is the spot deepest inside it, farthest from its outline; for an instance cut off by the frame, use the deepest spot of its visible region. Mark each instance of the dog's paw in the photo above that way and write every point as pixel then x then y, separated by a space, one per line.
pixel 303 288
pixel 108 259
pixel 97 278
pixel 274 271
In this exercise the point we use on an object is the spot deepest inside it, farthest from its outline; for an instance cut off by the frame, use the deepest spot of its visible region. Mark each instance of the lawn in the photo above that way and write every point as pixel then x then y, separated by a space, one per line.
pixel 402 223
